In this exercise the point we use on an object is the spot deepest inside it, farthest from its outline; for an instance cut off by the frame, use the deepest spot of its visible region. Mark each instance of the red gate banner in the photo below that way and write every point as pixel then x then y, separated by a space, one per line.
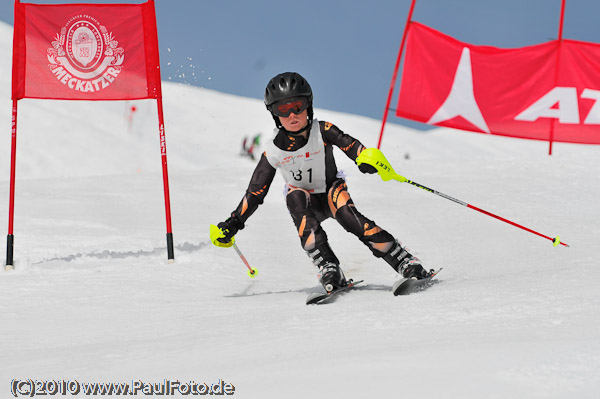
pixel 549 91
pixel 85 51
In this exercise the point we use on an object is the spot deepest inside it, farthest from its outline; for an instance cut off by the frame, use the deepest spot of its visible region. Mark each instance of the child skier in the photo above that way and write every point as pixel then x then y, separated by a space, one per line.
pixel 302 148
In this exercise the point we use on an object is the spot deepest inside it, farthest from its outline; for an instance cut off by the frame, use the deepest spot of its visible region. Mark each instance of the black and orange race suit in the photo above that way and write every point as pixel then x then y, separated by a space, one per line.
pixel 307 209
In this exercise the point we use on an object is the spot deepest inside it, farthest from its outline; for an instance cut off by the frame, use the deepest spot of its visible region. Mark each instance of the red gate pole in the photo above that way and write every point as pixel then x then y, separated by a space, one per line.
pixel 163 155
pixel 560 38
pixel 163 142
pixel 10 239
pixel 395 75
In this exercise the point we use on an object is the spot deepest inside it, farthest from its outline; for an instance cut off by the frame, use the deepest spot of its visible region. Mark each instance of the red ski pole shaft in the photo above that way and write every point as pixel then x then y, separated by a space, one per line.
pixel 251 271
pixel 242 256
pixel 376 159
pixel 555 240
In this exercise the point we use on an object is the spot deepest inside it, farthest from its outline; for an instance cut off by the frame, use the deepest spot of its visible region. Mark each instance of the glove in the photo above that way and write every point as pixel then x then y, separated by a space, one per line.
pixel 366 168
pixel 230 227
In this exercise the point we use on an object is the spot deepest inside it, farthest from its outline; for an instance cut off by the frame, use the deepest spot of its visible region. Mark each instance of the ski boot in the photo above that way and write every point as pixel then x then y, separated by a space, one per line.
pixel 404 263
pixel 330 274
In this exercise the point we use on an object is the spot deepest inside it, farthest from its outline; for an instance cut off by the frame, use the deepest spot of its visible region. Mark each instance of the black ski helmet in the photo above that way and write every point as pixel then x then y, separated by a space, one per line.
pixel 288 85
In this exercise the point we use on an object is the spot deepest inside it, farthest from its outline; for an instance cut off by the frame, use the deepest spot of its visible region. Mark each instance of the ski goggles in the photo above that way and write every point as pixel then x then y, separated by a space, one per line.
pixel 286 107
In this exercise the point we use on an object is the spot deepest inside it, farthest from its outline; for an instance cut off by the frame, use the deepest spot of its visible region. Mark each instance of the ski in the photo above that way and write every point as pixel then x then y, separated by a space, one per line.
pixel 325 297
pixel 407 286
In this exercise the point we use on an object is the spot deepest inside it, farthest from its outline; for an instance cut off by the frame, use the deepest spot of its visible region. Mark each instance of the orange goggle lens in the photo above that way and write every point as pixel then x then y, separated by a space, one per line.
pixel 286 107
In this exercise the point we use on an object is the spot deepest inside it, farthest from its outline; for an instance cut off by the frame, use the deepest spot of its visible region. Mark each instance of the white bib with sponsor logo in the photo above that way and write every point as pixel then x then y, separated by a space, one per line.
pixel 305 167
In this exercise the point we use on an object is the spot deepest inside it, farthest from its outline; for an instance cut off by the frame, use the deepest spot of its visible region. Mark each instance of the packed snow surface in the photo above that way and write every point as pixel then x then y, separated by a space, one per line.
pixel 93 299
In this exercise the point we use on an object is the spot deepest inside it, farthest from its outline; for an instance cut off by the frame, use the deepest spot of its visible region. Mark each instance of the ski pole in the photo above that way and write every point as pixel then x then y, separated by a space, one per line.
pixel 216 233
pixel 252 272
pixel 375 158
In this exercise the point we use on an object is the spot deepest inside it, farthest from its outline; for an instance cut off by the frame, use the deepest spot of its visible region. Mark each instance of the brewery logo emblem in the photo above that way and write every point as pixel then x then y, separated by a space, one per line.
pixel 84 56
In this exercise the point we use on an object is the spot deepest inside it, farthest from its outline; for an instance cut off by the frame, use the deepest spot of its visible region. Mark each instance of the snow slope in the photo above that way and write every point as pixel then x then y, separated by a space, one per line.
pixel 93 299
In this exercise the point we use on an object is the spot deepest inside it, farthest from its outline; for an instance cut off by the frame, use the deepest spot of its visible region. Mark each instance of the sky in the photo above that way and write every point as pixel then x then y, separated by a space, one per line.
pixel 347 50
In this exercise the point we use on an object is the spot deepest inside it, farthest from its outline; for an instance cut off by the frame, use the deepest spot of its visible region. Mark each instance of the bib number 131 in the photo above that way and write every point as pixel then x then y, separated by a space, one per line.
pixel 298 175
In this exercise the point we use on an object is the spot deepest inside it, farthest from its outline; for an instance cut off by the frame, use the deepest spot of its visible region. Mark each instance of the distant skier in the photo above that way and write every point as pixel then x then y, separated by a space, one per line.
pixel 302 148
pixel 248 149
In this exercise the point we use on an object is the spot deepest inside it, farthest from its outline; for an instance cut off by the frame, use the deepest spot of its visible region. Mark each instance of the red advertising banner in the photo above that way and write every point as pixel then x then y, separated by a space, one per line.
pixel 549 91
pixel 85 52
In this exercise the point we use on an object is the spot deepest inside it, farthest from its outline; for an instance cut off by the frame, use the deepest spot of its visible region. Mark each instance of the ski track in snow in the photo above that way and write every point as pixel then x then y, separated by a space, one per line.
pixel 92 297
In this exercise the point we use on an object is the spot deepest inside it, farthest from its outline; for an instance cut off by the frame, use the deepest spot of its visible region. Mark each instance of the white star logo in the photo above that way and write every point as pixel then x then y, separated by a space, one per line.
pixel 461 100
